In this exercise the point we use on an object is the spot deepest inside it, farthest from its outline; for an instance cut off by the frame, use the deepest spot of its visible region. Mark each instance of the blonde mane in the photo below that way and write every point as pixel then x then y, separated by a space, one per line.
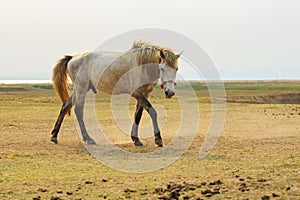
pixel 149 53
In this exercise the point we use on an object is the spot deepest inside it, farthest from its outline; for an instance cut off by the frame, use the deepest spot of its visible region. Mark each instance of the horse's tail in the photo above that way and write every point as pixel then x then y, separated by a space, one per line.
pixel 60 79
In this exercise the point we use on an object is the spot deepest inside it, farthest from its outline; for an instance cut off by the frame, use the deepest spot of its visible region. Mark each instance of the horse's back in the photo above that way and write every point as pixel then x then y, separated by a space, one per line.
pixel 94 62
pixel 109 72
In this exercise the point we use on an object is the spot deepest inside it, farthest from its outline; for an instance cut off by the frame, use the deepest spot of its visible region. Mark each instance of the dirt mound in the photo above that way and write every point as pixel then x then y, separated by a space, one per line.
pixel 185 190
pixel 285 98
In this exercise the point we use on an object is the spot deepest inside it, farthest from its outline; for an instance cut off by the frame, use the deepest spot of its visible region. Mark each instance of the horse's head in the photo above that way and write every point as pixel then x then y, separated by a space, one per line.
pixel 165 57
pixel 168 68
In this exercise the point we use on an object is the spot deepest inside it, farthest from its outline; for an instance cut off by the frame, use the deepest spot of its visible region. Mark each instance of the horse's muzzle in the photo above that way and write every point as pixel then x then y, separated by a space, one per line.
pixel 169 93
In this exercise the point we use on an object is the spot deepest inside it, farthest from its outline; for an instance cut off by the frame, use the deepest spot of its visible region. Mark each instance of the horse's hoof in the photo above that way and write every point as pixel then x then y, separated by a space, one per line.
pixel 158 140
pixel 53 139
pixel 137 142
pixel 89 141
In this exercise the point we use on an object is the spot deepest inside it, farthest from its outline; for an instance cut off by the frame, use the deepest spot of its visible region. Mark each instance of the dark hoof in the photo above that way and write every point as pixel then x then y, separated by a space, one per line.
pixel 158 140
pixel 53 139
pixel 89 141
pixel 137 142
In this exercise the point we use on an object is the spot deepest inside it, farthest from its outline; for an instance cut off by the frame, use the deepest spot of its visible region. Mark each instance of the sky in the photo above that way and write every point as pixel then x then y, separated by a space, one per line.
pixel 246 39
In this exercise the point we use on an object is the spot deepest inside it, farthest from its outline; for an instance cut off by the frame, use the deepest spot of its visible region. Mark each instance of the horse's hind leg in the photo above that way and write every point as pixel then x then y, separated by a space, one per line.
pixel 63 111
pixel 135 126
pixel 79 114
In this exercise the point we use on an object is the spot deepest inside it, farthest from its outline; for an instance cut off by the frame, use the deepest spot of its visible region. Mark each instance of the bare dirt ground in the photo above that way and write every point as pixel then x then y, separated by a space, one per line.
pixel 256 157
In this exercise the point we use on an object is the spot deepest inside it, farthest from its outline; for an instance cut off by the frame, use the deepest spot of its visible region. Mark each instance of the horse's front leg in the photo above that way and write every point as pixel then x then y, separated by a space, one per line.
pixel 79 104
pixel 135 126
pixel 153 114
pixel 65 108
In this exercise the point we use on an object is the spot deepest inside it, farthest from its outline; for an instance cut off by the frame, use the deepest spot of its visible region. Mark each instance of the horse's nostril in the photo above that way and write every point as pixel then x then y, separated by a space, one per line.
pixel 169 93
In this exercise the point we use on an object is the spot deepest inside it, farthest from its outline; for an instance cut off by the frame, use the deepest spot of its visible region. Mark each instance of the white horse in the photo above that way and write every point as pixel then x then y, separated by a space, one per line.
pixel 135 72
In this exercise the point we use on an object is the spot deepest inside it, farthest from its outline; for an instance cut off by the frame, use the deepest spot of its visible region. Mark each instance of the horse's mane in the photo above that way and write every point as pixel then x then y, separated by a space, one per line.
pixel 148 53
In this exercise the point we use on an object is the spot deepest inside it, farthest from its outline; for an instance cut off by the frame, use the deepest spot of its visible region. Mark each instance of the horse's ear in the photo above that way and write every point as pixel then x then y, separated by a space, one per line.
pixel 162 55
pixel 178 55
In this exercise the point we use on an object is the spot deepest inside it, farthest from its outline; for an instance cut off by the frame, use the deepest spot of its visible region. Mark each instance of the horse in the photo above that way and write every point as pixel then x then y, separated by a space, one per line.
pixel 144 64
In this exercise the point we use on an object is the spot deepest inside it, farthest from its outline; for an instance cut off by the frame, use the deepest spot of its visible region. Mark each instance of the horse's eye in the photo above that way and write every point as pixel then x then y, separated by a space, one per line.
pixel 175 83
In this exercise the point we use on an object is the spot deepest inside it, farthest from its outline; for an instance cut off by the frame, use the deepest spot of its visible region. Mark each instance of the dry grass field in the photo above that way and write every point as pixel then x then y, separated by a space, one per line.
pixel 257 155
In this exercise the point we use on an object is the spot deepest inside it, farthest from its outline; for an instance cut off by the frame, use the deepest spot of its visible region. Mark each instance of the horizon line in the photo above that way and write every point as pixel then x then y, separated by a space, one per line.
pixel 47 81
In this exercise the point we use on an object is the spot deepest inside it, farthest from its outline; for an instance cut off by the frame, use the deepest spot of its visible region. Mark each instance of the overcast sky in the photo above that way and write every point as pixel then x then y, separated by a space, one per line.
pixel 254 39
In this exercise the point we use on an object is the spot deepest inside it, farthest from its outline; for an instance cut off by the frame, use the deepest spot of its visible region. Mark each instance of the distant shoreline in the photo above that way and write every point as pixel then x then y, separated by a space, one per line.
pixel 24 81
pixel 179 81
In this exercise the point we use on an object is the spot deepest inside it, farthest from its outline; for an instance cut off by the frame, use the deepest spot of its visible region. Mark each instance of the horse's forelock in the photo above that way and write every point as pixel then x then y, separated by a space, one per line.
pixel 171 59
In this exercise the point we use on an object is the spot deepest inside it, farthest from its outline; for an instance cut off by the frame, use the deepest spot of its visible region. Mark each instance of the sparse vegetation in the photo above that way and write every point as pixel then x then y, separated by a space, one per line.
pixel 257 155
